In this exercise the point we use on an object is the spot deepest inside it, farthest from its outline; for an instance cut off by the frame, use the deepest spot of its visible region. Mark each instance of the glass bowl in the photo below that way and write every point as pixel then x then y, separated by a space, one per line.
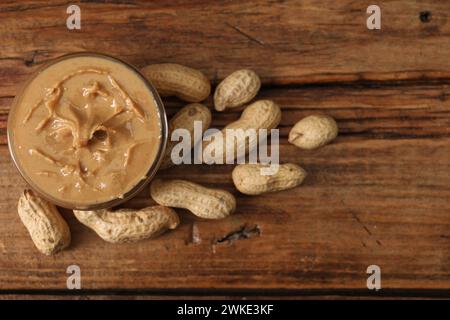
pixel 126 195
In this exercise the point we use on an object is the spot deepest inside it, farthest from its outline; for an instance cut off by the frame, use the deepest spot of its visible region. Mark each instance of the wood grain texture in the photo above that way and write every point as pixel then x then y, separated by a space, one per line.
pixel 283 41
pixel 239 296
pixel 377 195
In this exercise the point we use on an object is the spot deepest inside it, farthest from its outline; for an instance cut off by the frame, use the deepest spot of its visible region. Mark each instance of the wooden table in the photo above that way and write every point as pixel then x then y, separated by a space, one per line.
pixel 379 195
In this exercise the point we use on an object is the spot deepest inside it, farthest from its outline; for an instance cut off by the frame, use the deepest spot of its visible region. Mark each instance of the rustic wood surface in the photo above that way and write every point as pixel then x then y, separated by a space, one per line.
pixel 377 195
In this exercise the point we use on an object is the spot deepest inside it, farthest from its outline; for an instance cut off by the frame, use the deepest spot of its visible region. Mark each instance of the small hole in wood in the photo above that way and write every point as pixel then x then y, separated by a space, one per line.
pixel 425 16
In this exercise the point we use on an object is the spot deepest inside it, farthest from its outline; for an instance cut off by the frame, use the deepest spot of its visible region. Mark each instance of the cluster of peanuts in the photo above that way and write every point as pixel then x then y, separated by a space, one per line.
pixel 50 233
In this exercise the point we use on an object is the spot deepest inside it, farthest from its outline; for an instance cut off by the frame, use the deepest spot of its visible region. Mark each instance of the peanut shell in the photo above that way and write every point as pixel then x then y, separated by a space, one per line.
pixel 204 202
pixel 128 225
pixel 48 230
pixel 172 79
pixel 248 178
pixel 236 89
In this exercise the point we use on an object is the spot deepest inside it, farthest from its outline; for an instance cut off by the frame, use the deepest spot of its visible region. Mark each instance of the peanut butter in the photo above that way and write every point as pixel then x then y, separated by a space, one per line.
pixel 85 130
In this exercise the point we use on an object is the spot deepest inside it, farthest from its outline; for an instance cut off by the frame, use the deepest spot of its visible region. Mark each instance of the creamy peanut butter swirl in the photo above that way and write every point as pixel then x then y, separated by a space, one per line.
pixel 90 136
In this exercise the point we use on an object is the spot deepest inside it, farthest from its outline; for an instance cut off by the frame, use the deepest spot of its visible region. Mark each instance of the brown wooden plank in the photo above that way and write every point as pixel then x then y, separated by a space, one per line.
pixel 209 298
pixel 377 195
pixel 156 297
pixel 284 41
pixel 389 111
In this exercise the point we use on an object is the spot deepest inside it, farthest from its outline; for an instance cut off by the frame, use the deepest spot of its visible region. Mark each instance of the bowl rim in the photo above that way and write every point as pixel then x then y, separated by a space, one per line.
pixel 135 189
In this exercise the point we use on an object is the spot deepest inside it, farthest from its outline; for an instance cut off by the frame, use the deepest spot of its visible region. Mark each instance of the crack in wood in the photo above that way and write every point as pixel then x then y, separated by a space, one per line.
pixel 10 58
pixel 30 58
pixel 357 219
pixel 361 224
pixel 246 35
pixel 23 8
pixel 244 232
pixel 112 2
